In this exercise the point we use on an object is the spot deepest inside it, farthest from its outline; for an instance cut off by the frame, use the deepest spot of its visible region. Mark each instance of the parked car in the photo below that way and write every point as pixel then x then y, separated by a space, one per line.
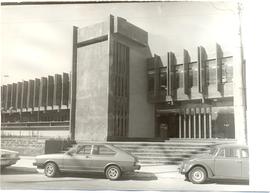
pixel 110 160
pixel 228 161
pixel 8 158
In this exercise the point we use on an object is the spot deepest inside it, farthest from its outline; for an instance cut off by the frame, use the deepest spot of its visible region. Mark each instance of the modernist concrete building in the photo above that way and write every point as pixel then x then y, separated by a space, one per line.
pixel 121 91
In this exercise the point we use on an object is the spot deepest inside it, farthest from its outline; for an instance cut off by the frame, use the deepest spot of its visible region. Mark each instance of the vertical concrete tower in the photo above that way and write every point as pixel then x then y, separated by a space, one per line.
pixel 109 82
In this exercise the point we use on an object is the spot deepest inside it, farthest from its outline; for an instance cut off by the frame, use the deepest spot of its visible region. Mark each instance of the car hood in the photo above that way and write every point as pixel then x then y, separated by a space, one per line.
pixel 49 156
pixel 201 156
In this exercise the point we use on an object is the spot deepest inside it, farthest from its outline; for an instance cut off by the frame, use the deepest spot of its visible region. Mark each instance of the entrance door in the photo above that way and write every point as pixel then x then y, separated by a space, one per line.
pixel 168 125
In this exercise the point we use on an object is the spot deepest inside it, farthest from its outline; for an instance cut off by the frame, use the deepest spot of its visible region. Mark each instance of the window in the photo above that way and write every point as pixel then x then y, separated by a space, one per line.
pixel 221 153
pixel 177 77
pixel 151 80
pixel 211 72
pixel 194 74
pixel 232 152
pixel 227 70
pixel 244 153
pixel 84 149
pixel 213 151
pixel 102 150
pixel 163 79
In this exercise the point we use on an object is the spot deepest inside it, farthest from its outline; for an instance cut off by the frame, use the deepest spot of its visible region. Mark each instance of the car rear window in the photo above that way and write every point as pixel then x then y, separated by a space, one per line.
pixel 102 150
pixel 232 152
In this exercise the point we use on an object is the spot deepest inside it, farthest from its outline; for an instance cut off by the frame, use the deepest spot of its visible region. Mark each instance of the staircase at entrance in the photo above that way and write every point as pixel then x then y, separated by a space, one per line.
pixel 172 151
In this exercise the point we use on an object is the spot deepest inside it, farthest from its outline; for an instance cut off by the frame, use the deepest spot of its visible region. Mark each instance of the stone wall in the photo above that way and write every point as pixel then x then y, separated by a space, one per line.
pixel 28 146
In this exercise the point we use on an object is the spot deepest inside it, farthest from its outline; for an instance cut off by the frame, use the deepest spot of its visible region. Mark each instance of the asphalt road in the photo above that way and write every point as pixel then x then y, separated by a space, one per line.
pixel 149 178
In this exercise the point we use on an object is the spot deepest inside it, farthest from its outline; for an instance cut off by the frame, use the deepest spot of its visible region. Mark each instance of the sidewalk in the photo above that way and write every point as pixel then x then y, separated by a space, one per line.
pixel 160 171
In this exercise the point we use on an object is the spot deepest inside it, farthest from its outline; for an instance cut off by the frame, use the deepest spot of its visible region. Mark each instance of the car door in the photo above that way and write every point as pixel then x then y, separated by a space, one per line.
pixel 80 160
pixel 245 163
pixel 228 163
pixel 101 156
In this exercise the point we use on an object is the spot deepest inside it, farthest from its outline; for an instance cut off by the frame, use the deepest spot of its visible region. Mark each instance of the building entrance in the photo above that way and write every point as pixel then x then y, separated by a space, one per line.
pixel 185 123
pixel 168 125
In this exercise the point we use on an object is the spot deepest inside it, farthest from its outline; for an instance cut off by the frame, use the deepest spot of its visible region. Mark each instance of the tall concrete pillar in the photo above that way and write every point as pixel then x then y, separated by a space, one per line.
pixel 239 89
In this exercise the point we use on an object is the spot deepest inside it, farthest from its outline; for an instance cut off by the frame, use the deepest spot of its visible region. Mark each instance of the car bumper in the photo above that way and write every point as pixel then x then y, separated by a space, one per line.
pixel 39 165
pixel 130 168
pixel 9 161
pixel 137 167
pixel 182 169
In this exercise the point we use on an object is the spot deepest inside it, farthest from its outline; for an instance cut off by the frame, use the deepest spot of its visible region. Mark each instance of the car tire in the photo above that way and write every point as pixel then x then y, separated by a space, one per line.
pixel 197 175
pixel 113 172
pixel 51 169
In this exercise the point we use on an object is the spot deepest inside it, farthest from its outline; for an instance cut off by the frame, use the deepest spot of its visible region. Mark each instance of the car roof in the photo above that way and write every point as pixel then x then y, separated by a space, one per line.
pixel 231 145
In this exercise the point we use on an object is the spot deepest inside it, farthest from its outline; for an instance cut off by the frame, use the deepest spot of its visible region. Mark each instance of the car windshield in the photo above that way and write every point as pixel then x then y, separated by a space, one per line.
pixel 213 151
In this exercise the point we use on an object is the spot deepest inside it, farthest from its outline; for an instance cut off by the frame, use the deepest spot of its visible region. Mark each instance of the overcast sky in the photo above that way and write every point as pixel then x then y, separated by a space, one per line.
pixel 37 39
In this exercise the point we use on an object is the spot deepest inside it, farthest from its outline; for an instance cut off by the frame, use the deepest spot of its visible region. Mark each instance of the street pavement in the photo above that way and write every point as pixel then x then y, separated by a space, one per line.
pixel 24 175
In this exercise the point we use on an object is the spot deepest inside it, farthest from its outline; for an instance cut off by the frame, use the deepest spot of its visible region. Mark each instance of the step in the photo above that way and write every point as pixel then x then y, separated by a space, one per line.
pixel 164 154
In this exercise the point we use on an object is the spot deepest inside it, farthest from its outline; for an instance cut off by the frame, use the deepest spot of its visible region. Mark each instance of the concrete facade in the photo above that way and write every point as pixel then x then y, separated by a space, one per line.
pixel 111 89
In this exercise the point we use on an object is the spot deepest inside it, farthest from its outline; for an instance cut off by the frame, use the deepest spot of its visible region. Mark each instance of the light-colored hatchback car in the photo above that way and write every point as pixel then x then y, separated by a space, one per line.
pixel 228 161
pixel 95 157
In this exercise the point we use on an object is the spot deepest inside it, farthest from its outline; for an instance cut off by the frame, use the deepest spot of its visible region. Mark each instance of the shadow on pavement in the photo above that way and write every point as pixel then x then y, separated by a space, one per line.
pixel 13 170
pixel 138 176
pixel 229 182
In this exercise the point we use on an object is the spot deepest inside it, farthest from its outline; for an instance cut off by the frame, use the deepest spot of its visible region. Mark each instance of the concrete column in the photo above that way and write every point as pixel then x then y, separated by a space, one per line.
pixel 204 124
pixel 200 126
pixel 180 123
pixel 194 124
pixel 189 126
pixel 239 89
pixel 185 135
pixel 210 125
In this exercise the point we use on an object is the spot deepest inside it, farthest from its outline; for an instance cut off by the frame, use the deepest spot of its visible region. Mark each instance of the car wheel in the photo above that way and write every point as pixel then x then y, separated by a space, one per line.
pixel 197 175
pixel 113 172
pixel 51 169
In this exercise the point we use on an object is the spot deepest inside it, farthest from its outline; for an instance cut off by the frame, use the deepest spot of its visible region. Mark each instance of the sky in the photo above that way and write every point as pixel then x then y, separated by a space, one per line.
pixel 37 39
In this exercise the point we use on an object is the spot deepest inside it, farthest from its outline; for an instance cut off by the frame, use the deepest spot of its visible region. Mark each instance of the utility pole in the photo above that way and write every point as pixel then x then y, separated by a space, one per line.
pixel 240 86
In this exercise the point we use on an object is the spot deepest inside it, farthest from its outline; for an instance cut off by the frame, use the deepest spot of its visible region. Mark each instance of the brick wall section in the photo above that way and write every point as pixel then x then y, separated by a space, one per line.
pixel 27 146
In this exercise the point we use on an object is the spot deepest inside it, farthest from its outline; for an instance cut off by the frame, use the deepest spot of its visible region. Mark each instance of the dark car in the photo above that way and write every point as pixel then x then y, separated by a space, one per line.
pixel 228 161
pixel 110 160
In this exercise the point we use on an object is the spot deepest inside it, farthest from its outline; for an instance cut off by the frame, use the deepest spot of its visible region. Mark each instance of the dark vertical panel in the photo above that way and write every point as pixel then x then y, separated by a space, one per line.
pixel 24 94
pixel 19 95
pixel 73 83
pixel 127 92
pixel 50 90
pixel 65 89
pixel 36 92
pixel 199 69
pixel 69 85
pixel 57 96
pixel 3 96
pixel 9 91
pixel 43 92
pixel 186 73
pixel 14 95
pixel 170 73
pixel 30 95
pixel 219 55
pixel 157 62
pixel 202 69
